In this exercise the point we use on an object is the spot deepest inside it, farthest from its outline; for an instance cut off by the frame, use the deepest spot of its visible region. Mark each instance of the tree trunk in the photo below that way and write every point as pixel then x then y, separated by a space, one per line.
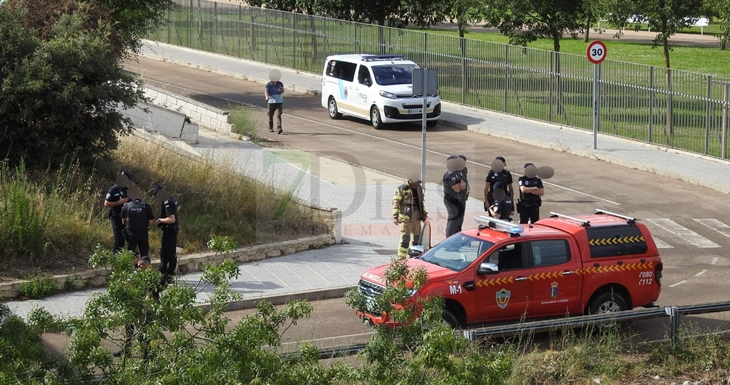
pixel 559 83
pixel 588 28
pixel 313 27
pixel 668 72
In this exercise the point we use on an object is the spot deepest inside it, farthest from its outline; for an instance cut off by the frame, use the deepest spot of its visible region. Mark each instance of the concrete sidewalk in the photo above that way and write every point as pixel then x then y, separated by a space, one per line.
pixel 692 168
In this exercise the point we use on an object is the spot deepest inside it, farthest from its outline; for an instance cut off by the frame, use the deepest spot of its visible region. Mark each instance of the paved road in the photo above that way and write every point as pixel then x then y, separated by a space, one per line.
pixel 333 324
pixel 689 222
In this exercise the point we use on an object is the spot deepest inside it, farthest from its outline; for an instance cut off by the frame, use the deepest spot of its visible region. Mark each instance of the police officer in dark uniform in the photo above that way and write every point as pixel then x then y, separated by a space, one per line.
pixel 503 207
pixel 456 193
pixel 137 217
pixel 169 225
pixel 531 191
pixel 497 174
pixel 115 198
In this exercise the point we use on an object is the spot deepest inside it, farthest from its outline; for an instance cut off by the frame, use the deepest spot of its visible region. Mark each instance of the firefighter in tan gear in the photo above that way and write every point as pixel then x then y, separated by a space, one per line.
pixel 409 212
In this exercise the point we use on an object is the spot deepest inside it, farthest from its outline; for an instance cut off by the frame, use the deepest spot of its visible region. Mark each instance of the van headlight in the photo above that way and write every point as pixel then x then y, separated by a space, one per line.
pixel 435 94
pixel 388 95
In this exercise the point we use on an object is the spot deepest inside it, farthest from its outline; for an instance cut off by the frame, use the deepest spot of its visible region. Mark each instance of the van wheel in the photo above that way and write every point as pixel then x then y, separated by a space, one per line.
pixel 375 118
pixel 332 109
pixel 448 317
pixel 432 123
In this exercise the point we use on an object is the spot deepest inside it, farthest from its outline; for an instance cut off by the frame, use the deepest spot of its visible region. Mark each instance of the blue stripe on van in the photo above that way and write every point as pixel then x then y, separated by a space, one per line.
pixel 341 86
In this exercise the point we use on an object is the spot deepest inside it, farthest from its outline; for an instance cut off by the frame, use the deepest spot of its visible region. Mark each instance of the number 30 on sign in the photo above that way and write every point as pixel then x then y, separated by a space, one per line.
pixel 596 52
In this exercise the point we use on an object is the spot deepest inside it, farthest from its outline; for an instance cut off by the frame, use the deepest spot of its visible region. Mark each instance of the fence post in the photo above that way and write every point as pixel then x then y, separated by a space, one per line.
pixel 470 335
pixel 506 75
pixel 190 26
pixel 266 39
pixel 425 50
pixel 708 115
pixel 240 35
pixel 390 41
pixel 651 104
pixel 357 27
pixel 552 80
pixel 464 74
pixel 169 26
pixel 724 121
pixel 673 313
pixel 253 34
pixel 215 27
pixel 294 42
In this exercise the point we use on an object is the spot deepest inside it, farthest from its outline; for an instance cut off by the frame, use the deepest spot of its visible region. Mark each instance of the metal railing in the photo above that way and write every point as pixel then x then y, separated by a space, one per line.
pixel 636 101
pixel 673 312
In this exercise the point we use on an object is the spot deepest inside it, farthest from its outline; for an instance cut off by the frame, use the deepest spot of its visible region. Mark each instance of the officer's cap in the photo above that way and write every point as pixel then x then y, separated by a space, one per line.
pixel 462 157
pixel 127 174
pixel 451 157
pixel 502 159
pixel 156 190
pixel 528 165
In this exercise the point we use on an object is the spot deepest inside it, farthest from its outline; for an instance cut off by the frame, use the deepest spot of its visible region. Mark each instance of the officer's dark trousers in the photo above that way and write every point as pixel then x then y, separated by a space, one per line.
pixel 529 212
pixel 118 230
pixel 138 239
pixel 168 252
pixel 455 209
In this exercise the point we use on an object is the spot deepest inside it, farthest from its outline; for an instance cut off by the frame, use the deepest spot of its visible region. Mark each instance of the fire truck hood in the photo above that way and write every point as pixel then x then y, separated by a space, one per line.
pixel 435 272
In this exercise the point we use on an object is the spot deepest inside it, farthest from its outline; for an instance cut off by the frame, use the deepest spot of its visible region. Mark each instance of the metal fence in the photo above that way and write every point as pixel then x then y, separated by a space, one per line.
pixel 636 101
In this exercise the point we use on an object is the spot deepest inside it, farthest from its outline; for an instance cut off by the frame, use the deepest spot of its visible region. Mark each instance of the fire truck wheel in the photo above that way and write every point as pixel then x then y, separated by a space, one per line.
pixel 608 303
pixel 450 318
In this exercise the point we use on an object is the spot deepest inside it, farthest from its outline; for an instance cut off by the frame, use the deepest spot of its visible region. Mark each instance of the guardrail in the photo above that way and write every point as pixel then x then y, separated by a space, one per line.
pixel 673 312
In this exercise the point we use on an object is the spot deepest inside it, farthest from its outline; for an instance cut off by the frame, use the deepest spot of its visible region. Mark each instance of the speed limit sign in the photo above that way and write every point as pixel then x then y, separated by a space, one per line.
pixel 596 52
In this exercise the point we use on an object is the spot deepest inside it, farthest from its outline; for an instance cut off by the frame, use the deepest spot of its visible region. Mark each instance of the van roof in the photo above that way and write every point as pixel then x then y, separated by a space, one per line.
pixel 370 58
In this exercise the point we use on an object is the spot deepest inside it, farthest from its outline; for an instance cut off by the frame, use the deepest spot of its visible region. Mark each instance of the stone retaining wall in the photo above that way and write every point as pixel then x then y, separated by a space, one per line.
pixel 198 112
pixel 187 263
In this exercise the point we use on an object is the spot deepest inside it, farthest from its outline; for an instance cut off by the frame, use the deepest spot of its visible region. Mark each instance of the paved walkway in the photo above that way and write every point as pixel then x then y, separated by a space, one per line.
pixel 364 195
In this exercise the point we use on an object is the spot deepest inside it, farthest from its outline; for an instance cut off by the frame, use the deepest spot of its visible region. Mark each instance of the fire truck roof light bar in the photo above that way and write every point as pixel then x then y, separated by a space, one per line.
pixel 583 222
pixel 628 219
pixel 499 225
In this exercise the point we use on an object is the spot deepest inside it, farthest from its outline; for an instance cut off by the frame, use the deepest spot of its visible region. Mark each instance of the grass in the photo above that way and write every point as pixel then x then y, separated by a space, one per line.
pixel 38 288
pixel 50 221
pixel 535 86
pixel 244 122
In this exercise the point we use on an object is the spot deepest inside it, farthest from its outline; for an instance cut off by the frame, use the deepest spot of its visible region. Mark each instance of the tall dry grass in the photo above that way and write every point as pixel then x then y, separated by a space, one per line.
pixel 50 221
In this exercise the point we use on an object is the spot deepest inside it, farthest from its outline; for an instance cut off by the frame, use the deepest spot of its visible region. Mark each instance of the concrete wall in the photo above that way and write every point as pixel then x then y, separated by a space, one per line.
pixel 198 112
pixel 163 121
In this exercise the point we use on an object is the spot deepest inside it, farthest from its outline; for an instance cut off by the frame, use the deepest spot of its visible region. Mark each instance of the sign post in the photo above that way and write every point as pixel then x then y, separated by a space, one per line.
pixel 424 83
pixel 596 54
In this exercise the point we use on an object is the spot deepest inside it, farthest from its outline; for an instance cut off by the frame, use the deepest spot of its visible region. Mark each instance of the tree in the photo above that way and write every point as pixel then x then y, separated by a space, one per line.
pixel 524 21
pixel 721 10
pixel 666 17
pixel 59 98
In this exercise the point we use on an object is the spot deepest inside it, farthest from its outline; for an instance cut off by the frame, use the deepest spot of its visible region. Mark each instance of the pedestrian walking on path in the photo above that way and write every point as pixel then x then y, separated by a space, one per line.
pixel 273 93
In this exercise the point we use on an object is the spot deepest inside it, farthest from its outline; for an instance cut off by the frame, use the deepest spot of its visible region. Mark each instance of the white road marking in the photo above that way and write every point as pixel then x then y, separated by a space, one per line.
pixel 383 139
pixel 661 244
pixel 714 261
pixel 700 273
pixel 684 233
pixel 716 225
pixel 328 338
pixel 678 283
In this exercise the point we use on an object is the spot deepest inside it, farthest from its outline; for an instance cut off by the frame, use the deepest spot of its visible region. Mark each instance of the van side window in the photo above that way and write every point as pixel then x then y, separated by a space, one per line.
pixel 612 241
pixel 363 76
pixel 507 257
pixel 341 70
pixel 548 253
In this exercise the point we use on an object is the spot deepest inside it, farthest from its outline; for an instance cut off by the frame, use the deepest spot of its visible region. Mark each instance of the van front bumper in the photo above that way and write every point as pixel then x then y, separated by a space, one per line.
pixel 396 114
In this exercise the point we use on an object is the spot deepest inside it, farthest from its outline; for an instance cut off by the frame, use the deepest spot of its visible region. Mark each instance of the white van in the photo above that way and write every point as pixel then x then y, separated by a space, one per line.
pixel 375 87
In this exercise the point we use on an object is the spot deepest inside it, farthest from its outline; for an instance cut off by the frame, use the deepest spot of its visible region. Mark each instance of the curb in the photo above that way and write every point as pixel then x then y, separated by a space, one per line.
pixel 283 299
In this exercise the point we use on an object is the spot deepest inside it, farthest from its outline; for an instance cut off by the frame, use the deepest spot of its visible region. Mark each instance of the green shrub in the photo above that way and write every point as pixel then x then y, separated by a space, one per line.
pixel 244 122
pixel 40 287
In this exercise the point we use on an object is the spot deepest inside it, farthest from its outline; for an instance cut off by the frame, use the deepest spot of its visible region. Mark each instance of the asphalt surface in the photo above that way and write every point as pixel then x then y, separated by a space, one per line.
pixel 694 273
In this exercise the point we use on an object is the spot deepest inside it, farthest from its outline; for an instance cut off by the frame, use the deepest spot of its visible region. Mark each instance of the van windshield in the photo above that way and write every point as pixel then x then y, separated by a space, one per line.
pixel 457 252
pixel 389 75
